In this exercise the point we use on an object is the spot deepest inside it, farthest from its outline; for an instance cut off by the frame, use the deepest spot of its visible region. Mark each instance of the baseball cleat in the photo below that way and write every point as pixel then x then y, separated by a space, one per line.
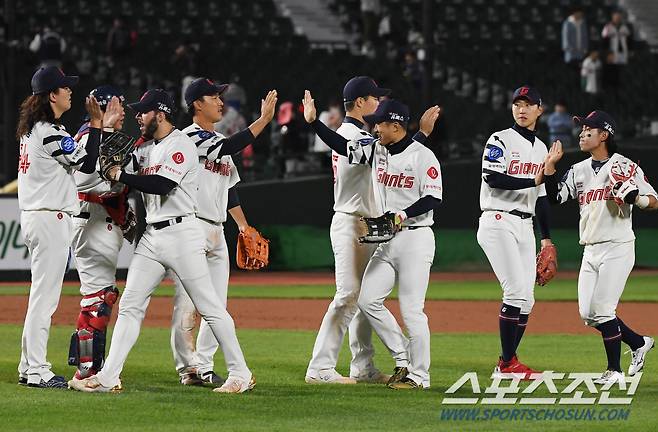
pixel 609 378
pixel 399 373
pixel 58 382
pixel 22 381
pixel 405 383
pixel 211 378
pixel 514 366
pixel 637 356
pixel 373 376
pixel 92 385
pixel 236 385
pixel 190 379
pixel 328 376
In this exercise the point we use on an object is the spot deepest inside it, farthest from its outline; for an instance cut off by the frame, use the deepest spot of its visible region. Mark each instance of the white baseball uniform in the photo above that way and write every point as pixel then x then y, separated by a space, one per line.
pixel 353 198
pixel 216 177
pixel 173 240
pixel 97 240
pixel 606 232
pixel 400 180
pixel 47 198
pixel 506 238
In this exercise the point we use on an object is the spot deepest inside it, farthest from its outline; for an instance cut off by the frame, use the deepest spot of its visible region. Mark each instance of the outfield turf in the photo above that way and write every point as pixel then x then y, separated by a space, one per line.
pixel 154 401
pixel 639 288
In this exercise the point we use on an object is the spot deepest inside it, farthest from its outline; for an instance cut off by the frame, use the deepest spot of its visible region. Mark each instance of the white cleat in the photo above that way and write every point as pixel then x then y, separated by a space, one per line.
pixel 92 385
pixel 374 376
pixel 637 356
pixel 609 378
pixel 236 385
pixel 328 376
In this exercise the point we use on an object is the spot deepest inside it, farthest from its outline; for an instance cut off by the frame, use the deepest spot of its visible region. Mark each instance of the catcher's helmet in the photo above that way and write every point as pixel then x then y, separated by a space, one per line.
pixel 104 94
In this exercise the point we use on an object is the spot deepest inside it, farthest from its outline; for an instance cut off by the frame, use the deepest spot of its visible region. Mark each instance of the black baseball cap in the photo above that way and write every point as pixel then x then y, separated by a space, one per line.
pixel 202 87
pixel 155 99
pixel 362 86
pixel 389 110
pixel 598 120
pixel 51 78
pixel 531 94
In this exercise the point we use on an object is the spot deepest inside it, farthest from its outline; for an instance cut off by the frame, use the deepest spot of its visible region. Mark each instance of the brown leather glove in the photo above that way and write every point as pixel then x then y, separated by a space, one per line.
pixel 546 264
pixel 253 250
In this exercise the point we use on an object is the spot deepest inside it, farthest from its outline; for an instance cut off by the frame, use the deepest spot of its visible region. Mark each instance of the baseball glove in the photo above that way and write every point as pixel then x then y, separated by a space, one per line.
pixel 115 150
pixel 546 264
pixel 380 229
pixel 624 188
pixel 253 251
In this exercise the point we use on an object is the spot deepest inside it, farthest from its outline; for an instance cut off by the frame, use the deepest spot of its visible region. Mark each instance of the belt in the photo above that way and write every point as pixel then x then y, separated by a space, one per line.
pixel 522 215
pixel 87 215
pixel 165 224
pixel 415 227
pixel 90 197
pixel 209 221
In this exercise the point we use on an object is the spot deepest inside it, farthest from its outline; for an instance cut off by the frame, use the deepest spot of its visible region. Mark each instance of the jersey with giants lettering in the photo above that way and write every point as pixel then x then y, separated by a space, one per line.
pixel 353 189
pixel 401 179
pixel 48 158
pixel 174 158
pixel 216 176
pixel 601 219
pixel 508 152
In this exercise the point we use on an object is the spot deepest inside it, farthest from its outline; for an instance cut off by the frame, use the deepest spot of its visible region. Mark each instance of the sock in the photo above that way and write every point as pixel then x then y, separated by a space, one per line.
pixel 611 334
pixel 629 337
pixel 520 329
pixel 508 319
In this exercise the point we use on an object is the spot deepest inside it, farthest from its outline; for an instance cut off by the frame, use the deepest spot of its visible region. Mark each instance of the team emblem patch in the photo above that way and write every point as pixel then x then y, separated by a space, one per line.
pixel 178 157
pixel 67 144
pixel 205 134
pixel 492 153
pixel 433 173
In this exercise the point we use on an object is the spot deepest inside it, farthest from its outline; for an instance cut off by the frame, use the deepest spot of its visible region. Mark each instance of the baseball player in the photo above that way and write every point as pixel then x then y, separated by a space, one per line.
pixel 408 184
pixel 217 179
pixel 97 240
pixel 607 186
pixel 47 198
pixel 167 170
pixel 510 195
pixel 353 198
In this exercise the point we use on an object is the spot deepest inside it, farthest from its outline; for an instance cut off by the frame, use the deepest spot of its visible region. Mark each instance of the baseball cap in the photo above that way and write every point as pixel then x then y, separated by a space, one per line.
pixel 155 99
pixel 104 95
pixel 598 120
pixel 202 87
pixel 361 86
pixel 531 94
pixel 389 110
pixel 50 78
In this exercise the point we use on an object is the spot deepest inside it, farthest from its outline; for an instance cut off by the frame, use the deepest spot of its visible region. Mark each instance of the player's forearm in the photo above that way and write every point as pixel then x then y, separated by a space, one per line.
pixel 552 188
pixel 233 198
pixel 335 141
pixel 502 181
pixel 151 184
pixel 422 206
pixel 646 202
pixel 231 145
pixel 258 125
pixel 91 147
pixel 543 214
pixel 238 216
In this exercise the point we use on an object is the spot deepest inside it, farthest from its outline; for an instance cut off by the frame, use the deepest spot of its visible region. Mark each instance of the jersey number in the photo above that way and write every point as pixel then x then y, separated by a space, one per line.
pixel 23 163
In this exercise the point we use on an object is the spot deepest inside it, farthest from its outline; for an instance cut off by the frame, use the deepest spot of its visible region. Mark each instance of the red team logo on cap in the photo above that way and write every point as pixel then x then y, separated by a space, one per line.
pixel 178 157
pixel 523 91
pixel 433 173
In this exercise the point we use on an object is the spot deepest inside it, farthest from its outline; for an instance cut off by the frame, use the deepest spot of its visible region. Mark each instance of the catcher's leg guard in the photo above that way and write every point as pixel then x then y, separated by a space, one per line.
pixel 87 349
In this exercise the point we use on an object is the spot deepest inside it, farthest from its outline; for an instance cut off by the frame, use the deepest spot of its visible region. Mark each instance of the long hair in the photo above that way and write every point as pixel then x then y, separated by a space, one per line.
pixel 34 108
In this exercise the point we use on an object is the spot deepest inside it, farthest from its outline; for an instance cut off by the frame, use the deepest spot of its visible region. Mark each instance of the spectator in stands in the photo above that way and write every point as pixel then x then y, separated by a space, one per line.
pixel 412 70
pixel 575 38
pixel 617 33
pixel 49 47
pixel 119 44
pixel 370 10
pixel 590 72
pixel 560 124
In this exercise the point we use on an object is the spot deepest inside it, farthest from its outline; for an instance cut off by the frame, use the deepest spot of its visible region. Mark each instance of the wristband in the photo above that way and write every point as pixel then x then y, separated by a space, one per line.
pixel 642 201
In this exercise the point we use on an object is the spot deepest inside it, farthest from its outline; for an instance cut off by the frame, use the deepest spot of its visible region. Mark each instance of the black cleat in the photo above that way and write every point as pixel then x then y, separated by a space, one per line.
pixel 58 382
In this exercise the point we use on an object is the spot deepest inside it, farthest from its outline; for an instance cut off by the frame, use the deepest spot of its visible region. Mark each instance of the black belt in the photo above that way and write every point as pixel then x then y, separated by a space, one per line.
pixel 522 215
pixel 87 215
pixel 165 224
pixel 415 227
pixel 209 221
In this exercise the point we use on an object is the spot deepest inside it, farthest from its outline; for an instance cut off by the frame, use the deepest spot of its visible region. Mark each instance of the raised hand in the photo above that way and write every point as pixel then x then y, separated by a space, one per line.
pixel 268 105
pixel 309 107
pixel 430 116
pixel 94 110
pixel 553 157
pixel 113 113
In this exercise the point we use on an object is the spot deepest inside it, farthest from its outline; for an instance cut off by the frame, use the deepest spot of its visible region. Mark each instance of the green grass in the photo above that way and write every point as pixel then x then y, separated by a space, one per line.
pixel 638 288
pixel 154 401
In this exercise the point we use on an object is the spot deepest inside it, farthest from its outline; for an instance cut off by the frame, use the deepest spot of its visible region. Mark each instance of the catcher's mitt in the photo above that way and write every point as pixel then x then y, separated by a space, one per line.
pixel 546 264
pixel 115 150
pixel 253 250
pixel 380 229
